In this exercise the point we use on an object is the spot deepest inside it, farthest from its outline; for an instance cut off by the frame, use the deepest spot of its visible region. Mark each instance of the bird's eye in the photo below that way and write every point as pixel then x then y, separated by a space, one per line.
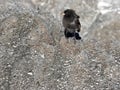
pixel 65 11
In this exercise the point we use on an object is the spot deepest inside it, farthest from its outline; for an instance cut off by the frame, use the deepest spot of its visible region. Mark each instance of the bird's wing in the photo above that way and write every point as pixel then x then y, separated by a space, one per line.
pixel 68 24
pixel 72 23
pixel 75 24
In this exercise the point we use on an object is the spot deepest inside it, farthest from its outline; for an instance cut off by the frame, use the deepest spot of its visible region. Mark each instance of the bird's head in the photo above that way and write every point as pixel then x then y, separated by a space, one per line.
pixel 69 13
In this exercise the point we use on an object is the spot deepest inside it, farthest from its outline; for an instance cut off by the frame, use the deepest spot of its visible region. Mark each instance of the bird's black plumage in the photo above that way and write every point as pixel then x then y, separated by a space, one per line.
pixel 71 24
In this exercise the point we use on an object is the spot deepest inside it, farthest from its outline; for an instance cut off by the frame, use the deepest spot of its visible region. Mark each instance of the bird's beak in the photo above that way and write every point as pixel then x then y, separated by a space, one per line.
pixel 62 13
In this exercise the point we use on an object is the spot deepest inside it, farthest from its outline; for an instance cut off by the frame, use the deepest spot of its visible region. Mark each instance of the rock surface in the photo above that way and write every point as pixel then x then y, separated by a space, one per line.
pixel 34 55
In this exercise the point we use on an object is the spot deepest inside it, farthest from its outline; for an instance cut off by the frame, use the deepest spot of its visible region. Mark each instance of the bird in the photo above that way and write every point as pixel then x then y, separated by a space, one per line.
pixel 71 24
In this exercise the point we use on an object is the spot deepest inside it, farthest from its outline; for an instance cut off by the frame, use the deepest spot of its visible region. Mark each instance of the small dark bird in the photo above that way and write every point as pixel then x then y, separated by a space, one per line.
pixel 71 24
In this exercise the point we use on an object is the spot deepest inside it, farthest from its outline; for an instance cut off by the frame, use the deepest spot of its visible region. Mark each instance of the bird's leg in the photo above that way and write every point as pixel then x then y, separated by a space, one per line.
pixel 74 38
pixel 67 40
pixel 66 36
